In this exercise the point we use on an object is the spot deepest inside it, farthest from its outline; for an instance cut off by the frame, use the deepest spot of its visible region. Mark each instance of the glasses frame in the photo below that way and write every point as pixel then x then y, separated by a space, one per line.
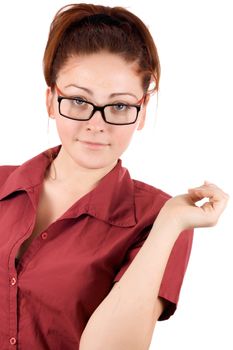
pixel 97 108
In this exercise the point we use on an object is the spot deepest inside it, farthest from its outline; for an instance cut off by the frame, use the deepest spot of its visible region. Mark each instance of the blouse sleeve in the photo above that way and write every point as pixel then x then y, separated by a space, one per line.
pixel 174 272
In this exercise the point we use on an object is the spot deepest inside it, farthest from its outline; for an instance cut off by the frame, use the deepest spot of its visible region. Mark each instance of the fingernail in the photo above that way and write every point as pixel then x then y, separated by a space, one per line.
pixel 207 182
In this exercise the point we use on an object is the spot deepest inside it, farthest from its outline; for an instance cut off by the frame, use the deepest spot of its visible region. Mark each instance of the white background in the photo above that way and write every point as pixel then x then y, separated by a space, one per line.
pixel 187 138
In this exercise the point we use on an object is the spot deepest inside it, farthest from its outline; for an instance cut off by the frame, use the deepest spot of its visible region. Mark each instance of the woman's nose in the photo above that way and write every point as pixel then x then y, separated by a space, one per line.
pixel 96 122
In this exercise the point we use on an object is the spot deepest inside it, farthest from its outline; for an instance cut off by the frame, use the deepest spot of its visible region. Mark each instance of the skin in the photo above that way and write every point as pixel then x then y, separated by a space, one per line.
pixel 77 162
pixel 80 166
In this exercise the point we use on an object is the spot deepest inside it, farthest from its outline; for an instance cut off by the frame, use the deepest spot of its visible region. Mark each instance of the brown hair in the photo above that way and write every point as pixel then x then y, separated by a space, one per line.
pixel 86 28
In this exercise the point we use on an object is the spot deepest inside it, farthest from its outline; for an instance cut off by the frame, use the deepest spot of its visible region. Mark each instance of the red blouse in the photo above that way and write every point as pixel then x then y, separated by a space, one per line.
pixel 46 301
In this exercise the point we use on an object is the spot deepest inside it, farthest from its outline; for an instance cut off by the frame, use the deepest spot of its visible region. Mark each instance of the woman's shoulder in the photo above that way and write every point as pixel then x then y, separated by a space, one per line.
pixel 144 189
pixel 5 173
pixel 148 198
pixel 6 170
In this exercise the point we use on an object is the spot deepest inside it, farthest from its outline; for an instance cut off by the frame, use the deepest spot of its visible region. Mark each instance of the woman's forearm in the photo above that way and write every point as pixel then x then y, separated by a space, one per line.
pixel 126 318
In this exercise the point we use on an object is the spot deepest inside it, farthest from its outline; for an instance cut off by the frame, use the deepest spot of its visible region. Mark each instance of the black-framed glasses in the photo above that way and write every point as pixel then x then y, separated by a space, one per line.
pixel 77 108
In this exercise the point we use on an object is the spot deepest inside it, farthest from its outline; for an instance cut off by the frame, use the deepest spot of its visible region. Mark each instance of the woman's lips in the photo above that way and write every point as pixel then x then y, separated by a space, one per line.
pixel 93 144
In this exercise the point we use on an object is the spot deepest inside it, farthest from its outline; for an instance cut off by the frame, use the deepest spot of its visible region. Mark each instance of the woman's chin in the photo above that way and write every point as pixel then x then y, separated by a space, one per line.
pixel 95 163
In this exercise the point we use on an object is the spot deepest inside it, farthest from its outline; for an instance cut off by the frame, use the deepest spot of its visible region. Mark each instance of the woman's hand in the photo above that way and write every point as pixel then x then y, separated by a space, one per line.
pixel 183 211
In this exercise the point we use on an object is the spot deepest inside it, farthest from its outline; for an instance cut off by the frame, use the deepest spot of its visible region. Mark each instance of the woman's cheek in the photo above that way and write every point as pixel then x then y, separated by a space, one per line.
pixel 125 136
pixel 66 127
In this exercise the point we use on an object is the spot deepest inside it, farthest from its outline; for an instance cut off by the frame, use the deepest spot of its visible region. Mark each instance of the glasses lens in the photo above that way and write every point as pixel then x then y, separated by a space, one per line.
pixel 81 110
pixel 120 114
pixel 76 108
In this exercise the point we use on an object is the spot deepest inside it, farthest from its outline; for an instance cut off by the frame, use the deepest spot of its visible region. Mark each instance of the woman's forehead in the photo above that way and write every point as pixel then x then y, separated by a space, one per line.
pixel 102 70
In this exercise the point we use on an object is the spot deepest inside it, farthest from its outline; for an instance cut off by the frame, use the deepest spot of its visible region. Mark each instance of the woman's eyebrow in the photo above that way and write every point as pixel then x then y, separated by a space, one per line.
pixel 111 95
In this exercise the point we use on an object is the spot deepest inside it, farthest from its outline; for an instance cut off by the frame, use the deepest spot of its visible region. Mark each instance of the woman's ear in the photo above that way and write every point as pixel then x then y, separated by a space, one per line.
pixel 143 112
pixel 49 102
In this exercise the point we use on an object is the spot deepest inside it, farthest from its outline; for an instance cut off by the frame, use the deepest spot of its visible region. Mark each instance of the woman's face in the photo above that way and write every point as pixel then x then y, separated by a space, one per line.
pixel 100 78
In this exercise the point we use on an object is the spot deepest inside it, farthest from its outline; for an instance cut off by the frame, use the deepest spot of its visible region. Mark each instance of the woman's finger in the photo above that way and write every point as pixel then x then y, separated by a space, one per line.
pixel 209 183
pixel 217 200
pixel 208 190
pixel 213 193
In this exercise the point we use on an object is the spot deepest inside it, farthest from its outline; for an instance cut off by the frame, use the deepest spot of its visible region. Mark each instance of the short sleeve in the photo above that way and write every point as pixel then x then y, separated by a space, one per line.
pixel 174 272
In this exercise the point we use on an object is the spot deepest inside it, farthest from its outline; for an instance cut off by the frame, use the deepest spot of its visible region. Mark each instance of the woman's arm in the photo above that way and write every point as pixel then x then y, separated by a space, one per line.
pixel 126 318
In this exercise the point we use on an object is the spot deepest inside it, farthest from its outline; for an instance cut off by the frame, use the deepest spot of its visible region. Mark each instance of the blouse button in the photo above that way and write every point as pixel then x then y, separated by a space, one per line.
pixel 44 235
pixel 13 281
pixel 12 341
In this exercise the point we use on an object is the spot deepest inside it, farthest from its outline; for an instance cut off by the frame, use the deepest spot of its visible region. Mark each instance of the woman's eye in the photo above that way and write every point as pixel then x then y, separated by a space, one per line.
pixel 79 101
pixel 120 107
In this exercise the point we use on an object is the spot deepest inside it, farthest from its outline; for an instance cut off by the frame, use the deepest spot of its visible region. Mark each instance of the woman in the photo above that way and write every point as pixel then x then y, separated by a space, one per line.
pixel 90 258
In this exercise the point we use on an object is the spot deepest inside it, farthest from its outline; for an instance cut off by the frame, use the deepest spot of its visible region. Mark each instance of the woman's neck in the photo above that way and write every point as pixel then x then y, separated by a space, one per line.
pixel 73 177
